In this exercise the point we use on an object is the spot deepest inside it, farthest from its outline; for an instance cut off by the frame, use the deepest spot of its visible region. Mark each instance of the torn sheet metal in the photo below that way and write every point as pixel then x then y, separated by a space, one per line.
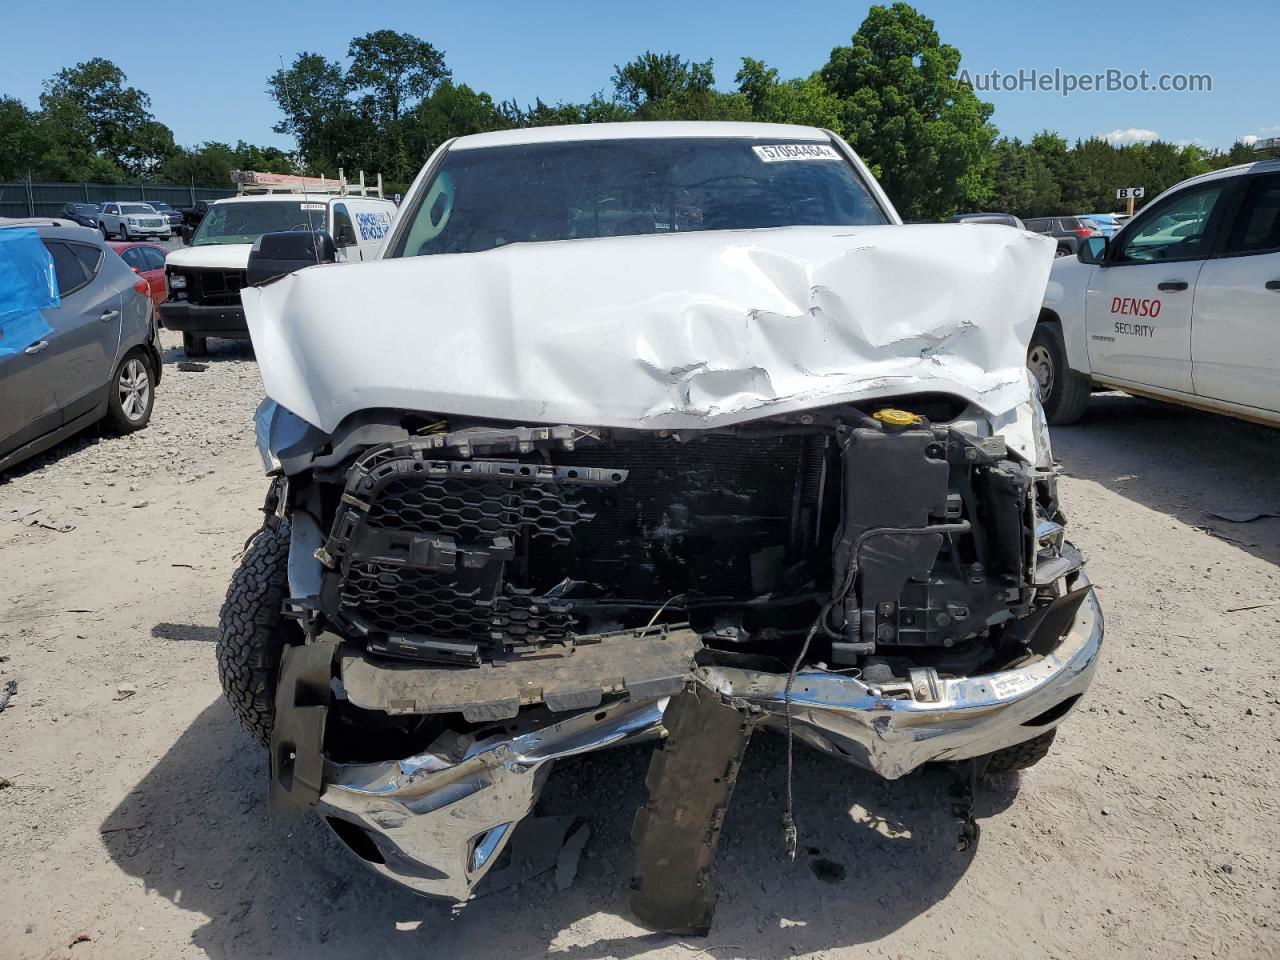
pixel 691 330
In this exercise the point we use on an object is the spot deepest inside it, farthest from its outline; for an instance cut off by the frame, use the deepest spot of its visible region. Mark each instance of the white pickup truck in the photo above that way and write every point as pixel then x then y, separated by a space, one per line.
pixel 1182 304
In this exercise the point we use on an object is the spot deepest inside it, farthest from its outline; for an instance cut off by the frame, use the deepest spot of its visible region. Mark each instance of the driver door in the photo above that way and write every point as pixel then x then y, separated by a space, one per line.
pixel 1138 304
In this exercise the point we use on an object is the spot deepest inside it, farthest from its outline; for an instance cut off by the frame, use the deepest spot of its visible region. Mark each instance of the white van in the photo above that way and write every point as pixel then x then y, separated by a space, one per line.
pixel 205 278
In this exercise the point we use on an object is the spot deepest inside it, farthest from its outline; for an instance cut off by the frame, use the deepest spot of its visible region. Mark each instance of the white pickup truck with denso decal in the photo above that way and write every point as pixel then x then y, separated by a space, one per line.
pixel 205 278
pixel 1182 304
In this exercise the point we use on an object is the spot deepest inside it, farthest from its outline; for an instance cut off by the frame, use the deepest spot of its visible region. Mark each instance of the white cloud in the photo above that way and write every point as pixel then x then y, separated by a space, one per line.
pixel 1130 135
pixel 1250 139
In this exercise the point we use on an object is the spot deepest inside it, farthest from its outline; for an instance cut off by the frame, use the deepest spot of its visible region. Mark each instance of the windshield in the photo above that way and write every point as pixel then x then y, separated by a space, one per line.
pixel 492 196
pixel 136 208
pixel 159 207
pixel 84 207
pixel 246 222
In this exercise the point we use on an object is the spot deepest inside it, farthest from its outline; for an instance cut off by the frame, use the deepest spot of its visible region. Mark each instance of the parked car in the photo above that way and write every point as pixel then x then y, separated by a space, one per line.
pixel 172 216
pixel 1107 223
pixel 1006 219
pixel 147 260
pixel 1068 231
pixel 206 278
pixel 84 214
pixel 1182 304
pixel 129 220
pixel 86 355
pixel 627 431
pixel 192 215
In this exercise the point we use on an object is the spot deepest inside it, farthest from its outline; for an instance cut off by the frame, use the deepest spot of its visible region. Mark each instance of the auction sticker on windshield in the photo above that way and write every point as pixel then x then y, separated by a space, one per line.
pixel 772 153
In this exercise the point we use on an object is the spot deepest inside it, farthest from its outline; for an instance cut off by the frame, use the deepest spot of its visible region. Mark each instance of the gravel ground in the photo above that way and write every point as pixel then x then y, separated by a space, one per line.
pixel 135 813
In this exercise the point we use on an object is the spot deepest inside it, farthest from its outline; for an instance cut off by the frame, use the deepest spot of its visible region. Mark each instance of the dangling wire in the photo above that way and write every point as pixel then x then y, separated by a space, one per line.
pixel 790 836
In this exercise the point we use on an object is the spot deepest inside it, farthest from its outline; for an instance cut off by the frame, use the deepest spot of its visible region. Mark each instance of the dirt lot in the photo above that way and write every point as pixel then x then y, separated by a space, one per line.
pixel 136 825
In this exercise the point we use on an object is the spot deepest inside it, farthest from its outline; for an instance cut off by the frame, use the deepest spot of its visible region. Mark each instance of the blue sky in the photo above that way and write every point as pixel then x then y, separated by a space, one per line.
pixel 205 67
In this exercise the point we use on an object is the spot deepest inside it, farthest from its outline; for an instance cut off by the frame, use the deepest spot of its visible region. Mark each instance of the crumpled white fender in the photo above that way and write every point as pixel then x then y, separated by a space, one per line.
pixel 673 331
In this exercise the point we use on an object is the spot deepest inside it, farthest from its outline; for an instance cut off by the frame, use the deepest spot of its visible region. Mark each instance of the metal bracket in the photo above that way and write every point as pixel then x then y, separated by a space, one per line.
pixel 297 735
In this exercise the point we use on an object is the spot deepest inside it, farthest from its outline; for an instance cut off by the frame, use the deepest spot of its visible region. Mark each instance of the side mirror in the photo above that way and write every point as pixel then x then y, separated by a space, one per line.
pixel 346 236
pixel 1092 249
pixel 276 254
pixel 187 234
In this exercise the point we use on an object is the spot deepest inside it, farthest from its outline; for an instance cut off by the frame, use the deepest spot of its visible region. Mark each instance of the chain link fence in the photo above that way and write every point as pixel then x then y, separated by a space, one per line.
pixel 25 198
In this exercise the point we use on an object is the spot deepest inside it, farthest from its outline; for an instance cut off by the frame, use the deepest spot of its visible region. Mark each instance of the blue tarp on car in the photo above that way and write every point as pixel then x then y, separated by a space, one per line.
pixel 28 285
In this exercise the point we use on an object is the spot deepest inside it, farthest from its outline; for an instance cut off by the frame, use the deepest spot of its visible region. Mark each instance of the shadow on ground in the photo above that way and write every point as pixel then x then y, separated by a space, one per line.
pixel 219 351
pixel 1180 462
pixel 873 855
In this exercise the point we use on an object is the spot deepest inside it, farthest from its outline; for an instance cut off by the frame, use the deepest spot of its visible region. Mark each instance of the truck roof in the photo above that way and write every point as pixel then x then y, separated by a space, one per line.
pixel 640 129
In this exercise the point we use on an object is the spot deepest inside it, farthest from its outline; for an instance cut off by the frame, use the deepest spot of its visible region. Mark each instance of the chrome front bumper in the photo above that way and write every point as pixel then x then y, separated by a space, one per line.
pixel 437 822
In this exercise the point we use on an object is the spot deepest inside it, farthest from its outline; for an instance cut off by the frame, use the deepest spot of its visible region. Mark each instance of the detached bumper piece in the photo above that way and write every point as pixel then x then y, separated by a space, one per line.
pixel 676 832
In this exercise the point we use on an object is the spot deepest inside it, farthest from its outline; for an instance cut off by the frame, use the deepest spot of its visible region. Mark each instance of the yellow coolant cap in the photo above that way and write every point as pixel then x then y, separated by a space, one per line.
pixel 897 418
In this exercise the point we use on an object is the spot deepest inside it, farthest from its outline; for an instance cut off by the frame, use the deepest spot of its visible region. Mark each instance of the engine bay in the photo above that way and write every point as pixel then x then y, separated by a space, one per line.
pixel 880 541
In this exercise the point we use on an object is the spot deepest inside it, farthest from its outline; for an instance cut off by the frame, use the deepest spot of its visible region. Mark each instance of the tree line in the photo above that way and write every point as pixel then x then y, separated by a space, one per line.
pixel 892 92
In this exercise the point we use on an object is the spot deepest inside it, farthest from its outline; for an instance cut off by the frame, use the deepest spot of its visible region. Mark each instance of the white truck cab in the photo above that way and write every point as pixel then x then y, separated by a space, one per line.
pixel 206 277
pixel 1181 304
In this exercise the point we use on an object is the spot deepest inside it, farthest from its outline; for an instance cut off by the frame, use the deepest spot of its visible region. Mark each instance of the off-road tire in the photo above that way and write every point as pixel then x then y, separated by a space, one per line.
pixel 1022 755
pixel 252 631
pixel 194 346
pixel 1068 394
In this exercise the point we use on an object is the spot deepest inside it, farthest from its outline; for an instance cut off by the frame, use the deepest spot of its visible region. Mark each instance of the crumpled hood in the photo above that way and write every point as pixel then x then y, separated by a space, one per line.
pixel 674 331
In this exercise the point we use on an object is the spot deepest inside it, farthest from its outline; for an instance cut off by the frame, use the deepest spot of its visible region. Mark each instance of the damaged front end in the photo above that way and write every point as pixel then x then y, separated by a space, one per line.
pixel 473 600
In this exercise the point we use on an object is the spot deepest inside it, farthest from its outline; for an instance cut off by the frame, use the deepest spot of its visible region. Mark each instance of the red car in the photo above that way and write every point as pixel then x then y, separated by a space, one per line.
pixel 147 260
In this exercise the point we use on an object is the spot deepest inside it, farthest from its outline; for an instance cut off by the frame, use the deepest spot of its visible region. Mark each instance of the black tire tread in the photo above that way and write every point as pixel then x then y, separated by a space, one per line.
pixel 194 346
pixel 1022 755
pixel 1071 391
pixel 251 631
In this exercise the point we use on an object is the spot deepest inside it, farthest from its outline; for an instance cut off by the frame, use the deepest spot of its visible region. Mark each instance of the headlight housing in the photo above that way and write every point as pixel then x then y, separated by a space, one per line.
pixel 177 281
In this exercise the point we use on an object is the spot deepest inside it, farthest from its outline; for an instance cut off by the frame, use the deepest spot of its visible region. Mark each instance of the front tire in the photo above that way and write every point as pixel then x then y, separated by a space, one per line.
pixel 1063 392
pixel 132 394
pixel 252 632
pixel 1023 755
pixel 194 346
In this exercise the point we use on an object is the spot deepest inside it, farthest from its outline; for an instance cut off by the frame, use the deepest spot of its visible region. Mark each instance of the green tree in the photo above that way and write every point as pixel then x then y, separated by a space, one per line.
pixel 312 95
pixel 451 110
pixel 64 134
pixel 653 77
pixel 394 69
pixel 120 125
pixel 902 107
pixel 804 100
pixel 1023 184
pixel 20 146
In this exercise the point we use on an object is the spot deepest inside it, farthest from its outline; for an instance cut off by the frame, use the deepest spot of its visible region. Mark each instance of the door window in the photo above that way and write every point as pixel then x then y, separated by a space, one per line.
pixel 344 231
pixel 69 268
pixel 133 257
pixel 1174 230
pixel 1257 226
pixel 153 258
